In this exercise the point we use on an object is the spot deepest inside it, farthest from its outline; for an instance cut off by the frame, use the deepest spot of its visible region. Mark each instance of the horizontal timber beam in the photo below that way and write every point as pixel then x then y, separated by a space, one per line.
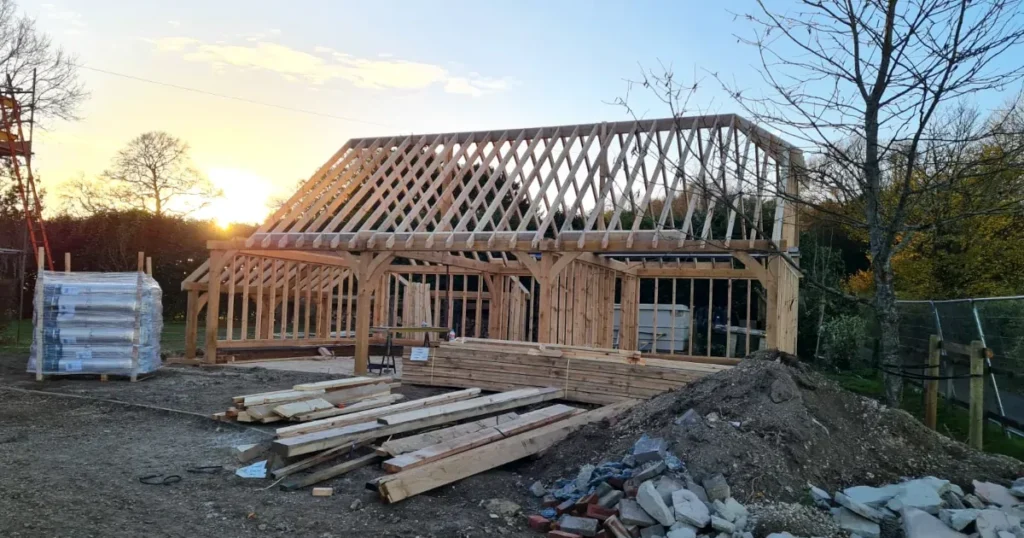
pixel 644 241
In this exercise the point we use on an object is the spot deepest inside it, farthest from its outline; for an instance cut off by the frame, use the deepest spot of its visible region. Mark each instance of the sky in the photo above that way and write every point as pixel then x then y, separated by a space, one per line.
pixel 364 68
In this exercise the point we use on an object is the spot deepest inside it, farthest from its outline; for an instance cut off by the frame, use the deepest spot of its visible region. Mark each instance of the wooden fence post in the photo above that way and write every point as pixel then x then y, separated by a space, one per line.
pixel 977 406
pixel 931 386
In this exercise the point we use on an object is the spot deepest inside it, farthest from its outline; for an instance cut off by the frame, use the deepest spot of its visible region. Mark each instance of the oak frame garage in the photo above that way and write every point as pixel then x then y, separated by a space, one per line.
pixel 544 232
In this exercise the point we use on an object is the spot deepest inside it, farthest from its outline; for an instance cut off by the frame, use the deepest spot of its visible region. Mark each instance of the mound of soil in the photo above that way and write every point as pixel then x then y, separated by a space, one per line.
pixel 771 429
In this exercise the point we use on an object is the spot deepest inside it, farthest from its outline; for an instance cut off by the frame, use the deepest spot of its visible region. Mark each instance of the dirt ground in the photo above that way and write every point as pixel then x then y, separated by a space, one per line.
pixel 70 467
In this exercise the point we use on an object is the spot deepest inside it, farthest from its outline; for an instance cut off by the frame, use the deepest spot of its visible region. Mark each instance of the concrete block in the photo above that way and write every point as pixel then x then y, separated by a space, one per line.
pixel 873 497
pixel 583 478
pixel 631 513
pixel 721 525
pixel 538 490
pixel 682 532
pixel 650 470
pixel 917 494
pixel 820 497
pixel 610 499
pixel 717 488
pixel 583 526
pixel 666 484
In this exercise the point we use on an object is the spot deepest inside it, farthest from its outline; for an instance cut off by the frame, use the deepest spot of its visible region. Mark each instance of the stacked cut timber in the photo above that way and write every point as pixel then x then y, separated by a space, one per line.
pixel 314 401
pixel 589 375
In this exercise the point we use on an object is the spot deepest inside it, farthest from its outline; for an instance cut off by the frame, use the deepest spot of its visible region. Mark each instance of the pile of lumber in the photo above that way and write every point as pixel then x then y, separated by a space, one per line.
pixel 427 443
pixel 314 401
pixel 590 375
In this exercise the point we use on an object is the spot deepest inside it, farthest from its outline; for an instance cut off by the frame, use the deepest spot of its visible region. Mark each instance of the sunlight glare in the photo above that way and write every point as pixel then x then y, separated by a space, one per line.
pixel 245 197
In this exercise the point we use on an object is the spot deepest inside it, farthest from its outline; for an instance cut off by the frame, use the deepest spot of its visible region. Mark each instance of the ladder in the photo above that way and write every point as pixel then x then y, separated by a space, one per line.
pixel 17 151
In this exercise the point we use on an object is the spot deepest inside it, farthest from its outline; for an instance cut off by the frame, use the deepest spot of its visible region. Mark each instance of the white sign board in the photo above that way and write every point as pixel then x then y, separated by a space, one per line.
pixel 419 354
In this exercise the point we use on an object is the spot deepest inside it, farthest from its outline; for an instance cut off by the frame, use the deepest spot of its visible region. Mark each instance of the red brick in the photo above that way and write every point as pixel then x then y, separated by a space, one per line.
pixel 615 482
pixel 561 534
pixel 600 513
pixel 565 507
pixel 550 501
pixel 539 523
pixel 602 534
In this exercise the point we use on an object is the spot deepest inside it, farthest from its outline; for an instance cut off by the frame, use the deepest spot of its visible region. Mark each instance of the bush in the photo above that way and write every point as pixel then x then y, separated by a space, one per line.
pixel 841 340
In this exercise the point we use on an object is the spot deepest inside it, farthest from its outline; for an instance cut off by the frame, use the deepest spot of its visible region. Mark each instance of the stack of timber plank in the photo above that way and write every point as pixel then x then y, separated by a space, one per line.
pixel 314 401
pixel 590 375
pixel 429 442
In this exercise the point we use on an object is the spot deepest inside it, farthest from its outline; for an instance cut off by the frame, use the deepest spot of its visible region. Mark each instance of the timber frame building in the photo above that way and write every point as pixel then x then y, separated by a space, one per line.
pixel 552 234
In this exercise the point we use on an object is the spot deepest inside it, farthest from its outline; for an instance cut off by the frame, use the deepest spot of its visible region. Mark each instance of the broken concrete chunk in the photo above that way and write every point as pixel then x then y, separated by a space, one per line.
pixel 859 508
pixel 583 526
pixel 583 478
pixel 1007 534
pixel 682 532
pixel 731 510
pixel 773 535
pixel 856 524
pixel 717 488
pixel 958 519
pixel 650 470
pixel 654 531
pixel 873 497
pixel 990 522
pixel 953 501
pixel 538 490
pixel 666 484
pixel 650 500
pixel 721 525
pixel 994 494
pixel 920 524
pixel 973 501
pixel 919 494
pixel 820 497
pixel 696 488
pixel 690 509
pixel 631 513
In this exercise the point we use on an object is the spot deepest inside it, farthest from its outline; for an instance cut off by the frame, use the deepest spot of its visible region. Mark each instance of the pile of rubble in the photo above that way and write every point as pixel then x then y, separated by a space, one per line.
pixel 647 494
pixel 927 508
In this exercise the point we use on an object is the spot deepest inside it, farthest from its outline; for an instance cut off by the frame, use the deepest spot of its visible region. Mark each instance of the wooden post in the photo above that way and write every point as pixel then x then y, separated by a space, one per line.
pixel 931 386
pixel 370 267
pixel 191 323
pixel 40 260
pixel 67 263
pixel 213 304
pixel 149 265
pixel 137 338
pixel 977 407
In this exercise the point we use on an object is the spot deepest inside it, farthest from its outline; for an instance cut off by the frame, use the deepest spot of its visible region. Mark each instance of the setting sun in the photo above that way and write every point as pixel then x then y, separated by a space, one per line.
pixel 245 197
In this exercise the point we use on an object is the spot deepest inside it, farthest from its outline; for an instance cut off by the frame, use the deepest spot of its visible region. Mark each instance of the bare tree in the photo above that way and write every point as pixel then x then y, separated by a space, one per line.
pixel 27 53
pixel 153 173
pixel 874 91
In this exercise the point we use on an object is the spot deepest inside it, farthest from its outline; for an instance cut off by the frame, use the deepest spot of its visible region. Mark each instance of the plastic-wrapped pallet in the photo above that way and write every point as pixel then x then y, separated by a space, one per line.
pixel 89 322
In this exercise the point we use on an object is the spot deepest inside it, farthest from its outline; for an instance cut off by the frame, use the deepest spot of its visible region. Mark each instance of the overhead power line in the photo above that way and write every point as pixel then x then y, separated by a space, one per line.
pixel 234 98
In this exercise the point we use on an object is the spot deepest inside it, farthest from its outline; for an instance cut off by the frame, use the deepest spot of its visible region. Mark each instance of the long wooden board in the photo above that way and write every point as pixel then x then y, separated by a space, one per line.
pixel 406 484
pixel 362 405
pixel 322 440
pixel 336 384
pixel 396 447
pixel 330 472
pixel 458 407
pixel 527 421
pixel 372 414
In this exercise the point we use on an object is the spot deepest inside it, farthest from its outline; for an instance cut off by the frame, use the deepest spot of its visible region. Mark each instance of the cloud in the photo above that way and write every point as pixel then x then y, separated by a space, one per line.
pixel 68 16
pixel 325 64
pixel 174 23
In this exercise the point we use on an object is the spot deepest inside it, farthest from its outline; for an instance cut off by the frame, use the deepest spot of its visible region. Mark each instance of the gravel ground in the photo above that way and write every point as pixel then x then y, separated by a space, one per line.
pixel 70 467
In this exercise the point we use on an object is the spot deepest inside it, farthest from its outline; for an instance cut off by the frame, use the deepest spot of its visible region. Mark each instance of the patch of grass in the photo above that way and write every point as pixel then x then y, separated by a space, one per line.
pixel 951 419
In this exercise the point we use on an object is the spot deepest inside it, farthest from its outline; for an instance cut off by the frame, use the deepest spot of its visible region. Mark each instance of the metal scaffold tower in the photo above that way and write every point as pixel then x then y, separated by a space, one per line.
pixel 16 151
